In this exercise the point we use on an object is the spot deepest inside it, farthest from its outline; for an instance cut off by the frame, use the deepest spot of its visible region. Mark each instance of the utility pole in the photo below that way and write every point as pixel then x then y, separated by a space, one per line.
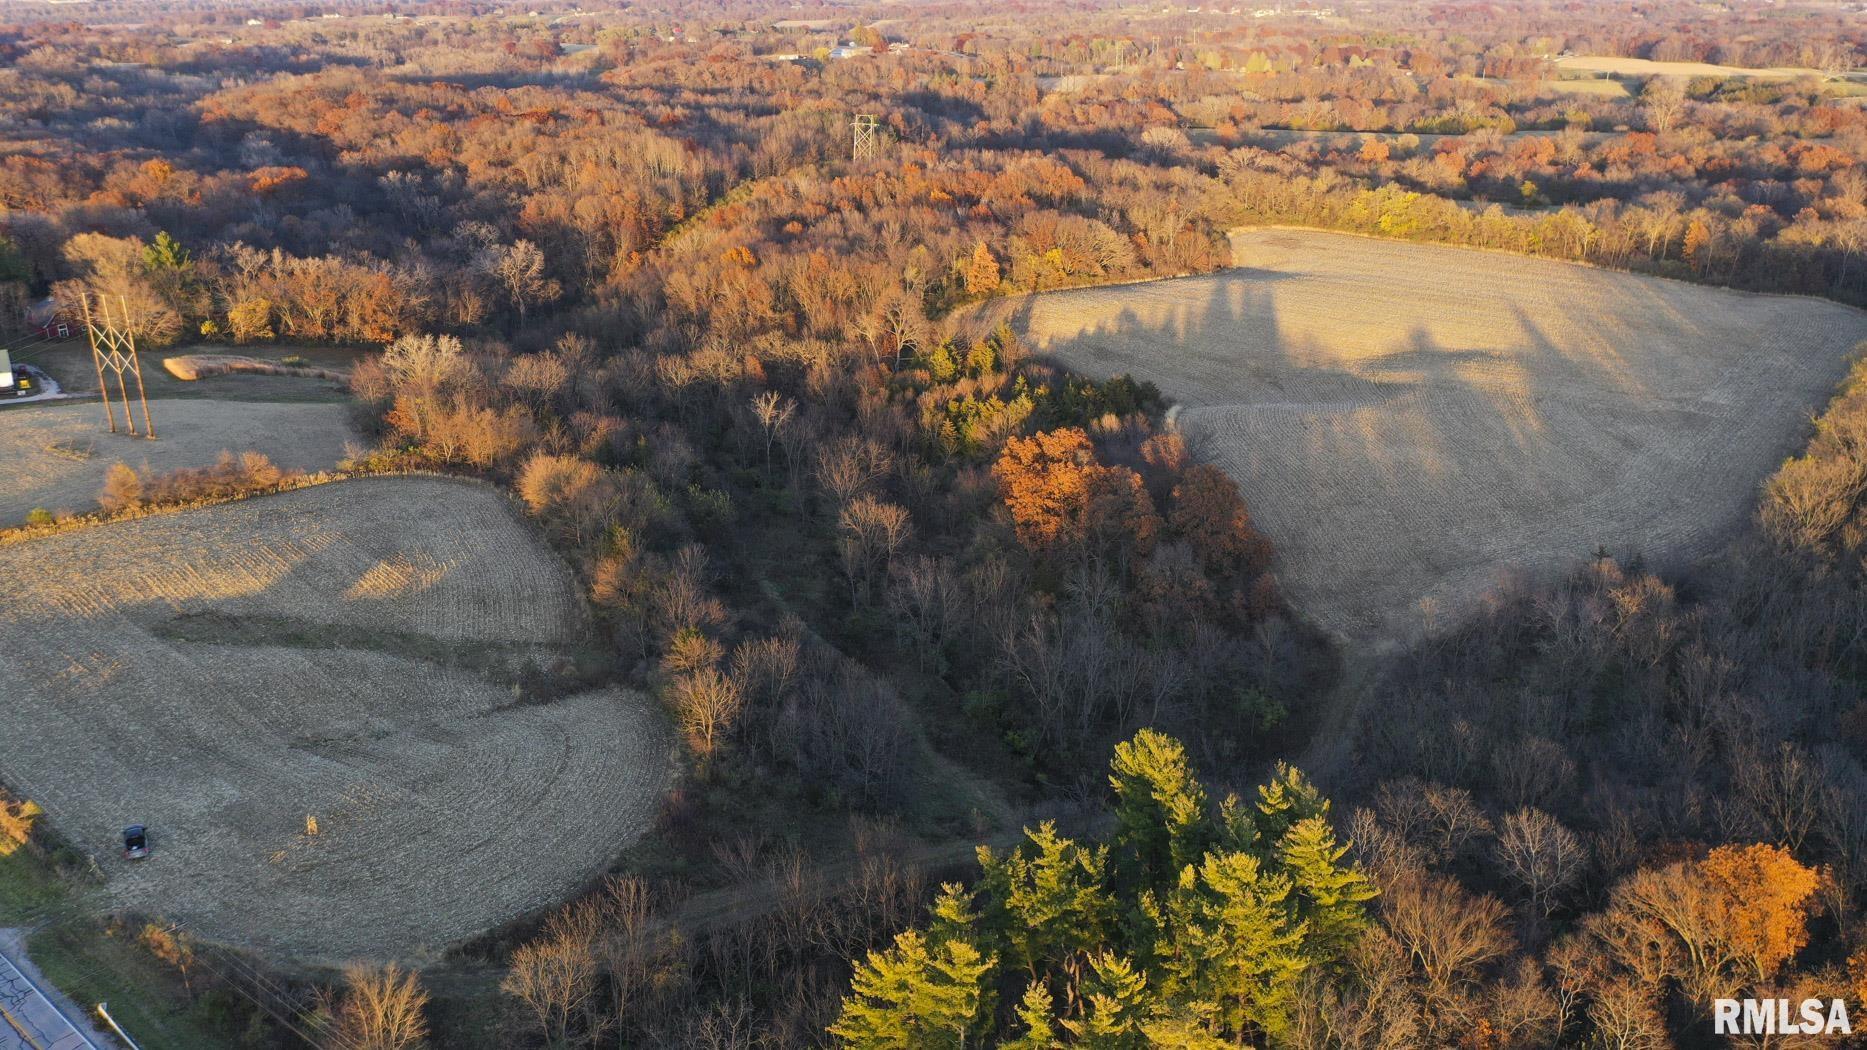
pixel 103 1011
pixel 867 141
pixel 113 347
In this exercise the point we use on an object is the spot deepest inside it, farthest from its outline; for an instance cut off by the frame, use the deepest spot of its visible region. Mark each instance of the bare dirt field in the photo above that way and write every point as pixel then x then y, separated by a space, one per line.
pixel 57 453
pixel 354 652
pixel 1409 423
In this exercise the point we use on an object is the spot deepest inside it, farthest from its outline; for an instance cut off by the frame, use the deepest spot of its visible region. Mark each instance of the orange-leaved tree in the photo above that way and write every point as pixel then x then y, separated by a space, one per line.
pixel 1063 501
pixel 1735 918
pixel 982 274
pixel 1045 483
pixel 1763 893
pixel 1210 515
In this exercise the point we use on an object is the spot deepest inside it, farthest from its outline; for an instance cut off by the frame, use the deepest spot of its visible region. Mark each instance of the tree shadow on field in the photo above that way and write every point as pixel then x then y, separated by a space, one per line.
pixel 1394 442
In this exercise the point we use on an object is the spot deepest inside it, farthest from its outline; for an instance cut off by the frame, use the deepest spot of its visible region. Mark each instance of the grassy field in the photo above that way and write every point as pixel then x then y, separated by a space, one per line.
pixel 1604 87
pixel 69 362
pixel 1642 67
pixel 27 888
pixel 92 965
pixel 395 657
pixel 1409 423
pixel 194 367
pixel 57 453
pixel 47 917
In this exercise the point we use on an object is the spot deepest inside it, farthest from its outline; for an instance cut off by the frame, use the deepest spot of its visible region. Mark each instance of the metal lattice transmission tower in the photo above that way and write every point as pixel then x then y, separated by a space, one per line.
pixel 866 143
pixel 113 348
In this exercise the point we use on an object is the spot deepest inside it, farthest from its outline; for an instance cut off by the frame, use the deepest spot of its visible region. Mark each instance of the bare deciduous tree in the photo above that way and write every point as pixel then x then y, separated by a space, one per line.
pixel 642 960
pixel 1446 931
pixel 848 467
pixel 1541 856
pixel 707 704
pixel 1625 1019
pixel 1781 793
pixel 871 533
pixel 554 976
pixel 1443 822
pixel 773 412
pixel 519 268
pixel 1532 771
pixel 1663 102
pixel 381 1008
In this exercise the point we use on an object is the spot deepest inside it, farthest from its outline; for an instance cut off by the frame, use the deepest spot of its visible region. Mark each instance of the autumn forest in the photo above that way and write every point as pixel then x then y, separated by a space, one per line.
pixel 995 726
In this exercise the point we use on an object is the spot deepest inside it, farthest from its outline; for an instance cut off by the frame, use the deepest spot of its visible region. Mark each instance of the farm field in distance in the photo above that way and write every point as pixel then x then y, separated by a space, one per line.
pixel 1410 423
pixel 368 653
pixel 58 452
pixel 1618 65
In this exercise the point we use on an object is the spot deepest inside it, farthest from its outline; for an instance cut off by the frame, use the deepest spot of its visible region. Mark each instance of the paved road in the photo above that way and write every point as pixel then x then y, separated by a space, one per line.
pixel 28 1019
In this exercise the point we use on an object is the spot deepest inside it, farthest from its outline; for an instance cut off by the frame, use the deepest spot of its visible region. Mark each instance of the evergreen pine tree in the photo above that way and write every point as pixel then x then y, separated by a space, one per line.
pixel 1050 899
pixel 1184 1030
pixel 165 254
pixel 1330 895
pixel 1116 1005
pixel 1161 825
pixel 916 996
pixel 1285 799
pixel 1035 1018
pixel 1233 941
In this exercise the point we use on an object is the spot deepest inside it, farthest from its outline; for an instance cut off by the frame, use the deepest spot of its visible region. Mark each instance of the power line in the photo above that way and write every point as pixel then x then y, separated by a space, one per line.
pixel 114 347
pixel 236 973
pixel 205 952
pixel 866 139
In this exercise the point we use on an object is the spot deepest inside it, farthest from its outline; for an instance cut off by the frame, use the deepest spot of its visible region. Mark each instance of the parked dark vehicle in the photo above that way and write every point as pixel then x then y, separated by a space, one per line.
pixel 135 842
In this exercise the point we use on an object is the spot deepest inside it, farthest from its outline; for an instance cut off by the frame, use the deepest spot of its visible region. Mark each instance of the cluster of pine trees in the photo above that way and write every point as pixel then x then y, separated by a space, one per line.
pixel 1188 924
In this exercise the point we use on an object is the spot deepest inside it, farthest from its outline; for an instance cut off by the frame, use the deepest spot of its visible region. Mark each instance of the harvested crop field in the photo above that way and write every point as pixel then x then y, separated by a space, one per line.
pixel 361 653
pixel 57 454
pixel 1410 423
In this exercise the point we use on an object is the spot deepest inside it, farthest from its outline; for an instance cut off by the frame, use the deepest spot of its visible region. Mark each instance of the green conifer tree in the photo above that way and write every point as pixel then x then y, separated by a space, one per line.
pixel 916 996
pixel 1285 799
pixel 1234 941
pixel 1116 1005
pixel 166 254
pixel 1330 895
pixel 1050 898
pixel 1161 824
pixel 1035 1018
